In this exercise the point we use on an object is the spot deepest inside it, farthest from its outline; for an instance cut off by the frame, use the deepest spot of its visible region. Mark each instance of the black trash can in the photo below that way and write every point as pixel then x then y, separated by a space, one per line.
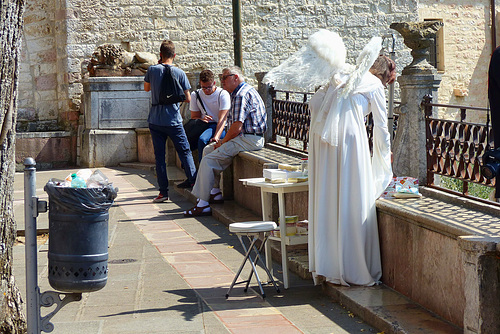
pixel 78 237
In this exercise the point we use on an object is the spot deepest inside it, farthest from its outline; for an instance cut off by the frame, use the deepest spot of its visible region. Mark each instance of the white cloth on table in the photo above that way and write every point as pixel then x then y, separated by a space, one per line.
pixel 344 182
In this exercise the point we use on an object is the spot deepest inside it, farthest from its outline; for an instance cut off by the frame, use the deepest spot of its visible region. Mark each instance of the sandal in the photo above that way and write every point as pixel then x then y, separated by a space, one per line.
pixel 212 199
pixel 198 211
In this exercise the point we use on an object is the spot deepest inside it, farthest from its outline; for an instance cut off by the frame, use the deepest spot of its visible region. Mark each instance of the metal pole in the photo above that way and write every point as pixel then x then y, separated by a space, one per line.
pixel 30 213
pixel 390 108
pixel 238 58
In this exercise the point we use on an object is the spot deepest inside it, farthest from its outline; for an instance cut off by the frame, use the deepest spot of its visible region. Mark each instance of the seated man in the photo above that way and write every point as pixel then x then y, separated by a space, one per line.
pixel 247 121
pixel 209 106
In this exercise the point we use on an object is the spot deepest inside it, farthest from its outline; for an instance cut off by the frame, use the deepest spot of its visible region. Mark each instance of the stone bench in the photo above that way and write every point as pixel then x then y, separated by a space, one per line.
pixel 250 165
pixel 442 252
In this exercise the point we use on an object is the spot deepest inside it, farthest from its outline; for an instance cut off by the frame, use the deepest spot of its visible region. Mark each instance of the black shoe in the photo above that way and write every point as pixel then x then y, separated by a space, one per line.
pixel 185 184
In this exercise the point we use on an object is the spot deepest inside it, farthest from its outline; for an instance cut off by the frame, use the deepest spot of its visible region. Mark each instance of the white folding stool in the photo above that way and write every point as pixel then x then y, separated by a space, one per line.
pixel 252 230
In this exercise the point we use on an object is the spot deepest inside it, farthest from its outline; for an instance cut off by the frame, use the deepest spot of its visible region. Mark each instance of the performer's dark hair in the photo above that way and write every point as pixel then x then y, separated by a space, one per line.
pixel 385 69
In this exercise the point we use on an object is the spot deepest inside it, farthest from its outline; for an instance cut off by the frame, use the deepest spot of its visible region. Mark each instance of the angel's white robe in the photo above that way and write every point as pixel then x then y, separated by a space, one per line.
pixel 344 182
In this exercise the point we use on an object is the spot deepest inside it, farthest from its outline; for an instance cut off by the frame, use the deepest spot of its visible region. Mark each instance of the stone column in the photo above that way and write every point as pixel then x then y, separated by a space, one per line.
pixel 417 80
pixel 263 90
pixel 481 266
pixel 409 152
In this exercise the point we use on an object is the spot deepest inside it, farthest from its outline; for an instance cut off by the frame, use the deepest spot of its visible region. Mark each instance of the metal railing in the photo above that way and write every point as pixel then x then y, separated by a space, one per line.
pixel 292 117
pixel 454 148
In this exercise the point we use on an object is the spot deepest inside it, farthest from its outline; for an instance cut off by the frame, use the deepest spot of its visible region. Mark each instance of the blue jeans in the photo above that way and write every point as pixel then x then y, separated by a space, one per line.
pixel 159 135
pixel 205 138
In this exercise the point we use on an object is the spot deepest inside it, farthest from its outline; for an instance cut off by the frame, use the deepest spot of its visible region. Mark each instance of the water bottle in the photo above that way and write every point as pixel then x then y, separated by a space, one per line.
pixel 77 182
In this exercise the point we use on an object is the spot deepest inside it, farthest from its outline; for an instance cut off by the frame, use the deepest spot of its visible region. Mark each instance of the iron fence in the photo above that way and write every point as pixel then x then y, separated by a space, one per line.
pixel 454 148
pixel 292 117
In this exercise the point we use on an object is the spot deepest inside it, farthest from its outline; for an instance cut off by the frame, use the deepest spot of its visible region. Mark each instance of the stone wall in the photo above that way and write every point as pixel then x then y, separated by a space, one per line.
pixel 45 84
pixel 467 51
pixel 60 37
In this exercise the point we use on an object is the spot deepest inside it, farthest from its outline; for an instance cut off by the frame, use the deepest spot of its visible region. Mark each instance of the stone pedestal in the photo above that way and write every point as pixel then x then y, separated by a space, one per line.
pixel 409 150
pixel 113 108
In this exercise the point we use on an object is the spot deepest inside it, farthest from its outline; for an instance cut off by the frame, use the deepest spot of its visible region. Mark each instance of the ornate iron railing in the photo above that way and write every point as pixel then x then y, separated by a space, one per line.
pixel 454 148
pixel 291 120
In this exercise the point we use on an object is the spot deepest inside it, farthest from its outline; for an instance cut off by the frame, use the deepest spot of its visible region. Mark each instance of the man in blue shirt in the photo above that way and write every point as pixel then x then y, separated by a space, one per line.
pixel 166 121
pixel 247 122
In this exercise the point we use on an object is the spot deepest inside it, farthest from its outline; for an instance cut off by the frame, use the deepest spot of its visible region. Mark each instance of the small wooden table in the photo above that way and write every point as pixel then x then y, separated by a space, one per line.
pixel 266 189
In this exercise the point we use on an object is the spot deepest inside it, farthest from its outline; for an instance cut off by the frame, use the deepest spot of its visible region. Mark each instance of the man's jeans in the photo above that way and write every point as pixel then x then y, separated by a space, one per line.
pixel 159 135
pixel 205 137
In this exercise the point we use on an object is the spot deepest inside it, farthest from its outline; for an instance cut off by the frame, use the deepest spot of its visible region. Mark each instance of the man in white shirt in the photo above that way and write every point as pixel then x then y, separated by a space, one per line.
pixel 209 106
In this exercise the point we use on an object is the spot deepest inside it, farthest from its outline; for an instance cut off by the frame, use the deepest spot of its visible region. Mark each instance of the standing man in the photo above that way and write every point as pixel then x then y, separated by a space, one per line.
pixel 166 121
pixel 209 107
pixel 247 125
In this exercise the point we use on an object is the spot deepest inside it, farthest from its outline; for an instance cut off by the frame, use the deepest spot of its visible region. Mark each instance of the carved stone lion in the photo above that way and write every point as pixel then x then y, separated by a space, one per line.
pixel 113 60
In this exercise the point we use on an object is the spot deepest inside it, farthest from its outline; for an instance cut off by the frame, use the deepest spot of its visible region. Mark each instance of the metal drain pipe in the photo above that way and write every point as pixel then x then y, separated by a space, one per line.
pixel 238 58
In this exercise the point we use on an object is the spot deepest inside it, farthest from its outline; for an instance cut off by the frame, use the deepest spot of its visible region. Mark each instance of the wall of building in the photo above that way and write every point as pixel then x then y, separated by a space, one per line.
pixel 44 81
pixel 60 37
pixel 467 51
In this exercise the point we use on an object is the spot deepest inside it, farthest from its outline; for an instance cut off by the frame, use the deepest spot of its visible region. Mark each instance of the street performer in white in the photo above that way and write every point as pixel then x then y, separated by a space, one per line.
pixel 344 180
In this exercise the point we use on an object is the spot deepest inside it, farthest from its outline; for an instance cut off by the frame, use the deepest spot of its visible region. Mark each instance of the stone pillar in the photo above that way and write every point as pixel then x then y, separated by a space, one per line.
pixel 419 79
pixel 263 90
pixel 481 265
pixel 409 150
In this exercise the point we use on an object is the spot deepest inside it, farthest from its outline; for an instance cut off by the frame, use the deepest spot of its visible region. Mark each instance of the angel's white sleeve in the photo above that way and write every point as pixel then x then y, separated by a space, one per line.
pixel 381 160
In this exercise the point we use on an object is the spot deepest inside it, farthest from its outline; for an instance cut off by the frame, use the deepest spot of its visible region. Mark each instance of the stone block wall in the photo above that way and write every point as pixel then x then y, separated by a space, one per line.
pixel 45 84
pixel 467 51
pixel 49 149
pixel 60 37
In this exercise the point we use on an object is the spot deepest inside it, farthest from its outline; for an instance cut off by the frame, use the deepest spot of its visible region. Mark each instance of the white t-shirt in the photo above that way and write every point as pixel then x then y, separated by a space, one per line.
pixel 218 100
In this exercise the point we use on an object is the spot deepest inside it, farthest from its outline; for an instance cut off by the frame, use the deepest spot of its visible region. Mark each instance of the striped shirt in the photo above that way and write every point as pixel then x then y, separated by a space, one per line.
pixel 247 107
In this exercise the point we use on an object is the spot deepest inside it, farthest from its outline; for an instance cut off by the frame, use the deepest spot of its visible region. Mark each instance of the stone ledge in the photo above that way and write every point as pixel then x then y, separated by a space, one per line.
pixel 448 215
pixel 43 134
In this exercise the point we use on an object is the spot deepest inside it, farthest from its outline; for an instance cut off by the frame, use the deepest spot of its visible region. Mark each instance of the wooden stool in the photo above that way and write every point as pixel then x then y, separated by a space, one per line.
pixel 252 230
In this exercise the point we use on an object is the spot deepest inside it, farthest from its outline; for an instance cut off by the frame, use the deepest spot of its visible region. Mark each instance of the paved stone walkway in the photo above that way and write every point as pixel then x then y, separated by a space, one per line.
pixel 170 274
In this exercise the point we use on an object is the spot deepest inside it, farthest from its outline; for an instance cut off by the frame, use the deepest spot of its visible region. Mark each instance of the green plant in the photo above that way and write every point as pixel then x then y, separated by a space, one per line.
pixel 475 190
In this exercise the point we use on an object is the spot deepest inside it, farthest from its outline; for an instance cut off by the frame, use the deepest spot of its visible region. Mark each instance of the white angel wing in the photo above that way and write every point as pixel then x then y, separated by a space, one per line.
pixel 312 66
pixel 363 64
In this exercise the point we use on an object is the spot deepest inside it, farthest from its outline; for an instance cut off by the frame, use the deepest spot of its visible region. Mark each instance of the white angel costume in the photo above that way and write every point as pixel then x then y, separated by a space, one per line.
pixel 344 180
